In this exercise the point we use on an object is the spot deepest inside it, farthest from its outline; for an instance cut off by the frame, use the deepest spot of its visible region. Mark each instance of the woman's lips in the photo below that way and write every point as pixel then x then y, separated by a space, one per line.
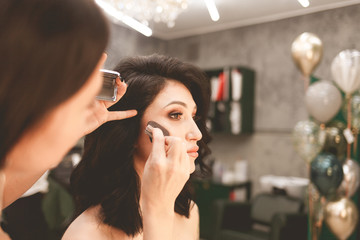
pixel 193 152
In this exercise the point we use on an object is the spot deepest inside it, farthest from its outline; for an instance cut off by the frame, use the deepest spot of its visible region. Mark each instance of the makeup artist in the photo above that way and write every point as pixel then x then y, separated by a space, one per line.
pixel 51 53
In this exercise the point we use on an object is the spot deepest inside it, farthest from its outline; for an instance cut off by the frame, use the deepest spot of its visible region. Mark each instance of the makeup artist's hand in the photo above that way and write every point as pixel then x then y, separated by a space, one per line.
pixel 165 174
pixel 100 113
pixel 166 170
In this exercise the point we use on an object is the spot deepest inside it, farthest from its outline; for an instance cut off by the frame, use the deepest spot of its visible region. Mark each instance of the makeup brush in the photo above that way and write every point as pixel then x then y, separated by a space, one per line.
pixel 155 125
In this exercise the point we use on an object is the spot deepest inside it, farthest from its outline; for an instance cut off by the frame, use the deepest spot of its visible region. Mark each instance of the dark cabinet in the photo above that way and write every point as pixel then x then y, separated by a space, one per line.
pixel 232 100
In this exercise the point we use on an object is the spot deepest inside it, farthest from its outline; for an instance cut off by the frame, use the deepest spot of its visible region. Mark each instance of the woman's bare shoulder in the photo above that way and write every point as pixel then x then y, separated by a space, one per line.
pixel 87 226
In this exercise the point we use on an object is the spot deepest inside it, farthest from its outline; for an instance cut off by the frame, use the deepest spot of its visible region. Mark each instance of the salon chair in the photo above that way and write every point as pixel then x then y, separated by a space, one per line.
pixel 266 216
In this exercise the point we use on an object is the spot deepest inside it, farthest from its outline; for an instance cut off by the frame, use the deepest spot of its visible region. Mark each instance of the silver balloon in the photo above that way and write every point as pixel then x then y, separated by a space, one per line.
pixel 308 139
pixel 351 181
pixel 323 101
pixel 345 69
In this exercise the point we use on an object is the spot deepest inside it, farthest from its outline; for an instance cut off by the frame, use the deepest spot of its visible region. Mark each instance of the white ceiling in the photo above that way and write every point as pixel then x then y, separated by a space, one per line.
pixel 235 13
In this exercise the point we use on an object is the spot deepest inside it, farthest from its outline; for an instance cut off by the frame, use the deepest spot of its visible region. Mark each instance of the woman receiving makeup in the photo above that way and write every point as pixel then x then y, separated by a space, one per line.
pixel 108 183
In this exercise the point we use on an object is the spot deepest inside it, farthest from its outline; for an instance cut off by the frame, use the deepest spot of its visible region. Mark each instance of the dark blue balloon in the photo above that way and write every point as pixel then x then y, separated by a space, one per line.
pixel 326 173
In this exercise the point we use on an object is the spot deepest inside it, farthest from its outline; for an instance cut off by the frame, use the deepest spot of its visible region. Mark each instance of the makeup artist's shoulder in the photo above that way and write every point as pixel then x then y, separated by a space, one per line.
pixel 86 226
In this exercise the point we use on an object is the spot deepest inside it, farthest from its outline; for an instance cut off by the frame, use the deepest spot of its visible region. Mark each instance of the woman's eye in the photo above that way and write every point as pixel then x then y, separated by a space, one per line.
pixel 176 115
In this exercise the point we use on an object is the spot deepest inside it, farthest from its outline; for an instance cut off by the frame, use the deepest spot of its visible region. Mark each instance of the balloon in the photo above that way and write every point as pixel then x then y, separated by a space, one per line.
pixel 323 101
pixel 354 108
pixel 335 141
pixel 326 173
pixel 341 216
pixel 345 69
pixel 306 52
pixel 351 181
pixel 308 139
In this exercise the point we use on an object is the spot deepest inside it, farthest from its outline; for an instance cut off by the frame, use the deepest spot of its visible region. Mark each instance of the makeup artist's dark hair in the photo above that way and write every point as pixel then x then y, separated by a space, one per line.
pixel 48 50
pixel 106 174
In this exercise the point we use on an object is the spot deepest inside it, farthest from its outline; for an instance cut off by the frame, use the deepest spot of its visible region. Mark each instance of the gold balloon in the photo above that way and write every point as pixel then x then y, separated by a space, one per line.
pixel 307 52
pixel 341 216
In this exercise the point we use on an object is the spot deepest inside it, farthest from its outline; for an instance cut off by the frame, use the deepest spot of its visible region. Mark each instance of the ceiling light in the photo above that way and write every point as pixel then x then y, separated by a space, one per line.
pixel 119 16
pixel 304 3
pixel 214 14
pixel 144 11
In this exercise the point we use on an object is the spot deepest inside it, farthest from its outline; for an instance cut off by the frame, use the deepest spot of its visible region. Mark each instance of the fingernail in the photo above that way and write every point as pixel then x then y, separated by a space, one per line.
pixel 118 81
pixel 148 131
pixel 149 128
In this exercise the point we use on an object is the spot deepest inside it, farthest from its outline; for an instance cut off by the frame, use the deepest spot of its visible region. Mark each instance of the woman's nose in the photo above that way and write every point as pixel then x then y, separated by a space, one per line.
pixel 194 132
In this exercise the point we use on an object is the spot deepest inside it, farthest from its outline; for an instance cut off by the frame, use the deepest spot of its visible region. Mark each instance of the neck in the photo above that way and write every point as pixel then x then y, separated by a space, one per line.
pixel 17 183
pixel 139 165
pixel 25 164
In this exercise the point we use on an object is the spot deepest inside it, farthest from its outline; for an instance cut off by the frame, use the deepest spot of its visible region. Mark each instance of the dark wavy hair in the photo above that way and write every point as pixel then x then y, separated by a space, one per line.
pixel 48 49
pixel 106 174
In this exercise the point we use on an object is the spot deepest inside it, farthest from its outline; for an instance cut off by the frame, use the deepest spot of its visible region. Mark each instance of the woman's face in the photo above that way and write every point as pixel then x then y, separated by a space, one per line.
pixel 174 108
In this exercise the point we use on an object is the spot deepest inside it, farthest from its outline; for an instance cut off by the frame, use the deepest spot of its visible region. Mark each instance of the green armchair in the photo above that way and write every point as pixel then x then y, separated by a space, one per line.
pixel 266 217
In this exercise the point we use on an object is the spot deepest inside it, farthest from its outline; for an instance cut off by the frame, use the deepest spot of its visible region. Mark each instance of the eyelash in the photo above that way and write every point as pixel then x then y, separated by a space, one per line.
pixel 178 115
pixel 175 115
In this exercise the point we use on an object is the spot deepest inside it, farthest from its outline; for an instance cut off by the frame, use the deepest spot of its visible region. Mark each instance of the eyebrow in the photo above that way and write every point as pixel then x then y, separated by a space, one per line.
pixel 178 103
